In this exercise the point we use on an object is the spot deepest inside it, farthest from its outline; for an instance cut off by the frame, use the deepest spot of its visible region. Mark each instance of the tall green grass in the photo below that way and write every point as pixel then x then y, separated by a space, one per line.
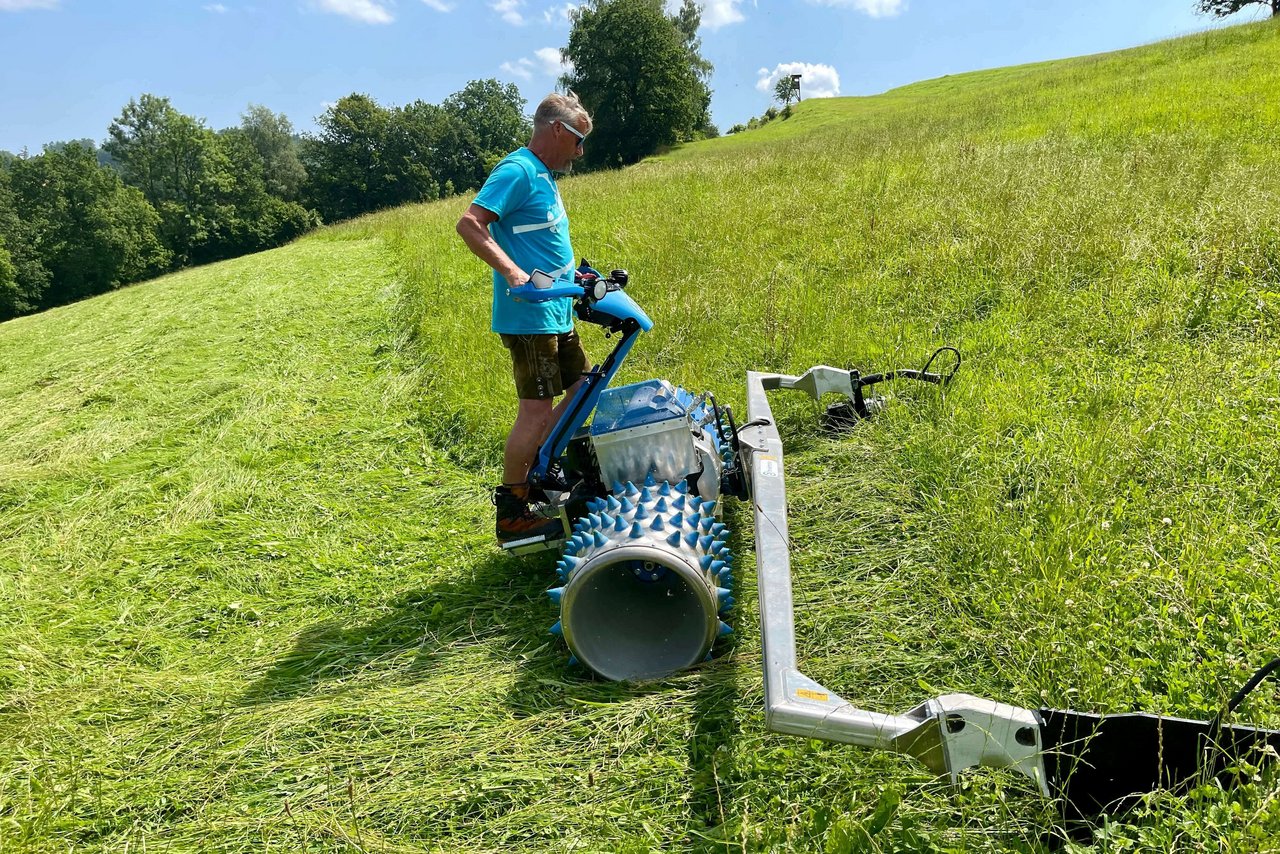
pixel 248 597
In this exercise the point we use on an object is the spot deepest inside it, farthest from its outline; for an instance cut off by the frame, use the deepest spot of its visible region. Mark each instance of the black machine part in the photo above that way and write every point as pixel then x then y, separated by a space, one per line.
pixel 1103 764
pixel 845 414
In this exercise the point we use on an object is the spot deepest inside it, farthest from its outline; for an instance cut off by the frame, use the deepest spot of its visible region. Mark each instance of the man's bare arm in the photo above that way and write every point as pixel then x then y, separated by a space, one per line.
pixel 473 228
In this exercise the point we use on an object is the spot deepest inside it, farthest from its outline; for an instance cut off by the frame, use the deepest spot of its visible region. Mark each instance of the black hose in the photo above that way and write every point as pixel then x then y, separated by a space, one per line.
pixel 1255 680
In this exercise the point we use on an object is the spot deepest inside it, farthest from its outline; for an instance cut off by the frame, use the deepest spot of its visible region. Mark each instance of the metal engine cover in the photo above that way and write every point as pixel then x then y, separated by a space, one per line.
pixel 645 430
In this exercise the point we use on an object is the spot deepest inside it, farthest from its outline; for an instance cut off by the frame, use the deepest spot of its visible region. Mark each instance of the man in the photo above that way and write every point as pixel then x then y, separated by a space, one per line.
pixel 518 224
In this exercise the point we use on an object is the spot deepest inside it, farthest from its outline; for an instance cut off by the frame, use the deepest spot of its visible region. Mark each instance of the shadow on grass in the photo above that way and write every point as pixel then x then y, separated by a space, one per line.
pixel 498 595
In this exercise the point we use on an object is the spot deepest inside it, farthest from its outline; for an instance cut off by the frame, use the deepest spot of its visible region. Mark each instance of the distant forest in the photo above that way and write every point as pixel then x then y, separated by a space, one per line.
pixel 165 191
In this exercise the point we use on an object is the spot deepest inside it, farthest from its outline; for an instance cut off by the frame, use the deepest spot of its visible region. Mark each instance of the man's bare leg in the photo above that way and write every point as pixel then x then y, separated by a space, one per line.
pixel 534 420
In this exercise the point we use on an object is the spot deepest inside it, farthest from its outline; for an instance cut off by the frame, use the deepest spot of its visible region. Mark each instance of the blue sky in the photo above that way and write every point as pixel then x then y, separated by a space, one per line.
pixel 67 67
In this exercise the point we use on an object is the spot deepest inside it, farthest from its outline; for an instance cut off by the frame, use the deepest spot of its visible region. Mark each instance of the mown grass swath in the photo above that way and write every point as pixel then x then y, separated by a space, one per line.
pixel 249 598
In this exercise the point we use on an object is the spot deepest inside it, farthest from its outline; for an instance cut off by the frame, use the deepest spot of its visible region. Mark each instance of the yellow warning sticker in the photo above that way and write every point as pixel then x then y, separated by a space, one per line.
pixel 806 694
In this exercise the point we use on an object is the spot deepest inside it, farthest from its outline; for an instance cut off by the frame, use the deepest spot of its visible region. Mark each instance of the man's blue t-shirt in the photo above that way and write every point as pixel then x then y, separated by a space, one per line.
pixel 533 229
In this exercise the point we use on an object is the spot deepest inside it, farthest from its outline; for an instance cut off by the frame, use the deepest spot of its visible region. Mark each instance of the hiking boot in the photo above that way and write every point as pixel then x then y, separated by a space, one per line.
pixel 516 521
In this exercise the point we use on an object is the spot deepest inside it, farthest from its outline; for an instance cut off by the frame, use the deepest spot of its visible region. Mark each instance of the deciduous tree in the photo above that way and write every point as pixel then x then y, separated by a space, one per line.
pixel 25 279
pixel 638 74
pixel 1223 8
pixel 94 233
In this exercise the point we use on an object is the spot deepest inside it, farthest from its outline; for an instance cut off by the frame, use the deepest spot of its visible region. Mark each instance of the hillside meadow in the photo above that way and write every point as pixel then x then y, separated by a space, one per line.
pixel 249 597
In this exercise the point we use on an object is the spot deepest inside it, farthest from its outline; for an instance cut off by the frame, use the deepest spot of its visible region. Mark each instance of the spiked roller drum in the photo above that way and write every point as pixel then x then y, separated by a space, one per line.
pixel 646 580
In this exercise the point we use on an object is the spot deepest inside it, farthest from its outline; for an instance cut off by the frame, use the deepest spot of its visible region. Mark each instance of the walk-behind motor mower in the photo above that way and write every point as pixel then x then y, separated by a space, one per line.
pixel 646 575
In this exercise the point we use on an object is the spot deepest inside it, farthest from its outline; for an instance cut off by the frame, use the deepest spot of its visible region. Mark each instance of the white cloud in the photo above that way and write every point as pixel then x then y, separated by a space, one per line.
pixel 715 13
pixel 817 80
pixel 872 8
pixel 365 11
pixel 216 8
pixel 559 14
pixel 439 5
pixel 551 63
pixel 546 62
pixel 509 10
pixel 23 5
pixel 721 13
pixel 522 68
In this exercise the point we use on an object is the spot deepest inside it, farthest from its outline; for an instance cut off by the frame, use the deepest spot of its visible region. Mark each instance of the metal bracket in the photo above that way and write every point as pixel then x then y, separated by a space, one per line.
pixel 949 733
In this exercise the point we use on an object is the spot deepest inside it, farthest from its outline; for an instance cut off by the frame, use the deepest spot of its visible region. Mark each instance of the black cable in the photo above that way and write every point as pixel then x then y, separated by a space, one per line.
pixel 941 379
pixel 1215 725
pixel 1255 680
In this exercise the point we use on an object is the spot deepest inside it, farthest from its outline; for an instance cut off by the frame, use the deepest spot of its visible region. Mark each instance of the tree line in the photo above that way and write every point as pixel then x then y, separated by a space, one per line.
pixel 165 191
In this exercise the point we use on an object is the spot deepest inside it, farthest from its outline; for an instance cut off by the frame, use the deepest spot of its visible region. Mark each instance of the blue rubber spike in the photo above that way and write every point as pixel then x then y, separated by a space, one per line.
pixel 632 489
pixel 717 565
pixel 557 629
pixel 649 480
pixel 636 531
pixel 621 524
pixel 705 524
pixel 724 629
pixel 613 505
pixel 705 561
pixel 717 547
pixel 695 502
pixel 645 496
pixel 691 538
pixel 573 660
pixel 674 540
pixel 708 658
pixel 719 528
pixel 606 521
pixel 682 487
pixel 556 594
pixel 679 503
pixel 642 512
pixel 593 506
pixel 708 507
pixel 677 520
pixel 704 542
pixel 628 505
pixel 725 578
pixel 665 489
pixel 600 539
pixel 595 519
pixel 617 488
pixel 661 506
pixel 723 594
pixel 571 548
pixel 657 524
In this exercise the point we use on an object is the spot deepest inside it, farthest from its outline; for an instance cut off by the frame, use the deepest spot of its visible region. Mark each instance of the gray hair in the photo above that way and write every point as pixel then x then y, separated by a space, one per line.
pixel 564 108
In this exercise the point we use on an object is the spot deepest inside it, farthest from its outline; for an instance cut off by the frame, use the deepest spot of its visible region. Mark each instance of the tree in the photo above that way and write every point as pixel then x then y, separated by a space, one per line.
pixel 488 123
pixel 94 233
pixel 785 90
pixel 344 162
pixel 272 138
pixel 1223 8
pixel 24 279
pixel 638 74
pixel 176 162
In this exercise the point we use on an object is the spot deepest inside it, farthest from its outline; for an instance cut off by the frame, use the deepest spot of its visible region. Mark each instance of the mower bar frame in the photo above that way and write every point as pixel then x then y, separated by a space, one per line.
pixel 948 733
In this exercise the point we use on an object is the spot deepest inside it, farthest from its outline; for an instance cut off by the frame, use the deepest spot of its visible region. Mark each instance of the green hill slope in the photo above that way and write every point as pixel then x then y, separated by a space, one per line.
pixel 249 598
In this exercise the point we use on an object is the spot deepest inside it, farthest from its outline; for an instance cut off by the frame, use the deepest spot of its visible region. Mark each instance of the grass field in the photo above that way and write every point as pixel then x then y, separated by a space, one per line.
pixel 249 598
